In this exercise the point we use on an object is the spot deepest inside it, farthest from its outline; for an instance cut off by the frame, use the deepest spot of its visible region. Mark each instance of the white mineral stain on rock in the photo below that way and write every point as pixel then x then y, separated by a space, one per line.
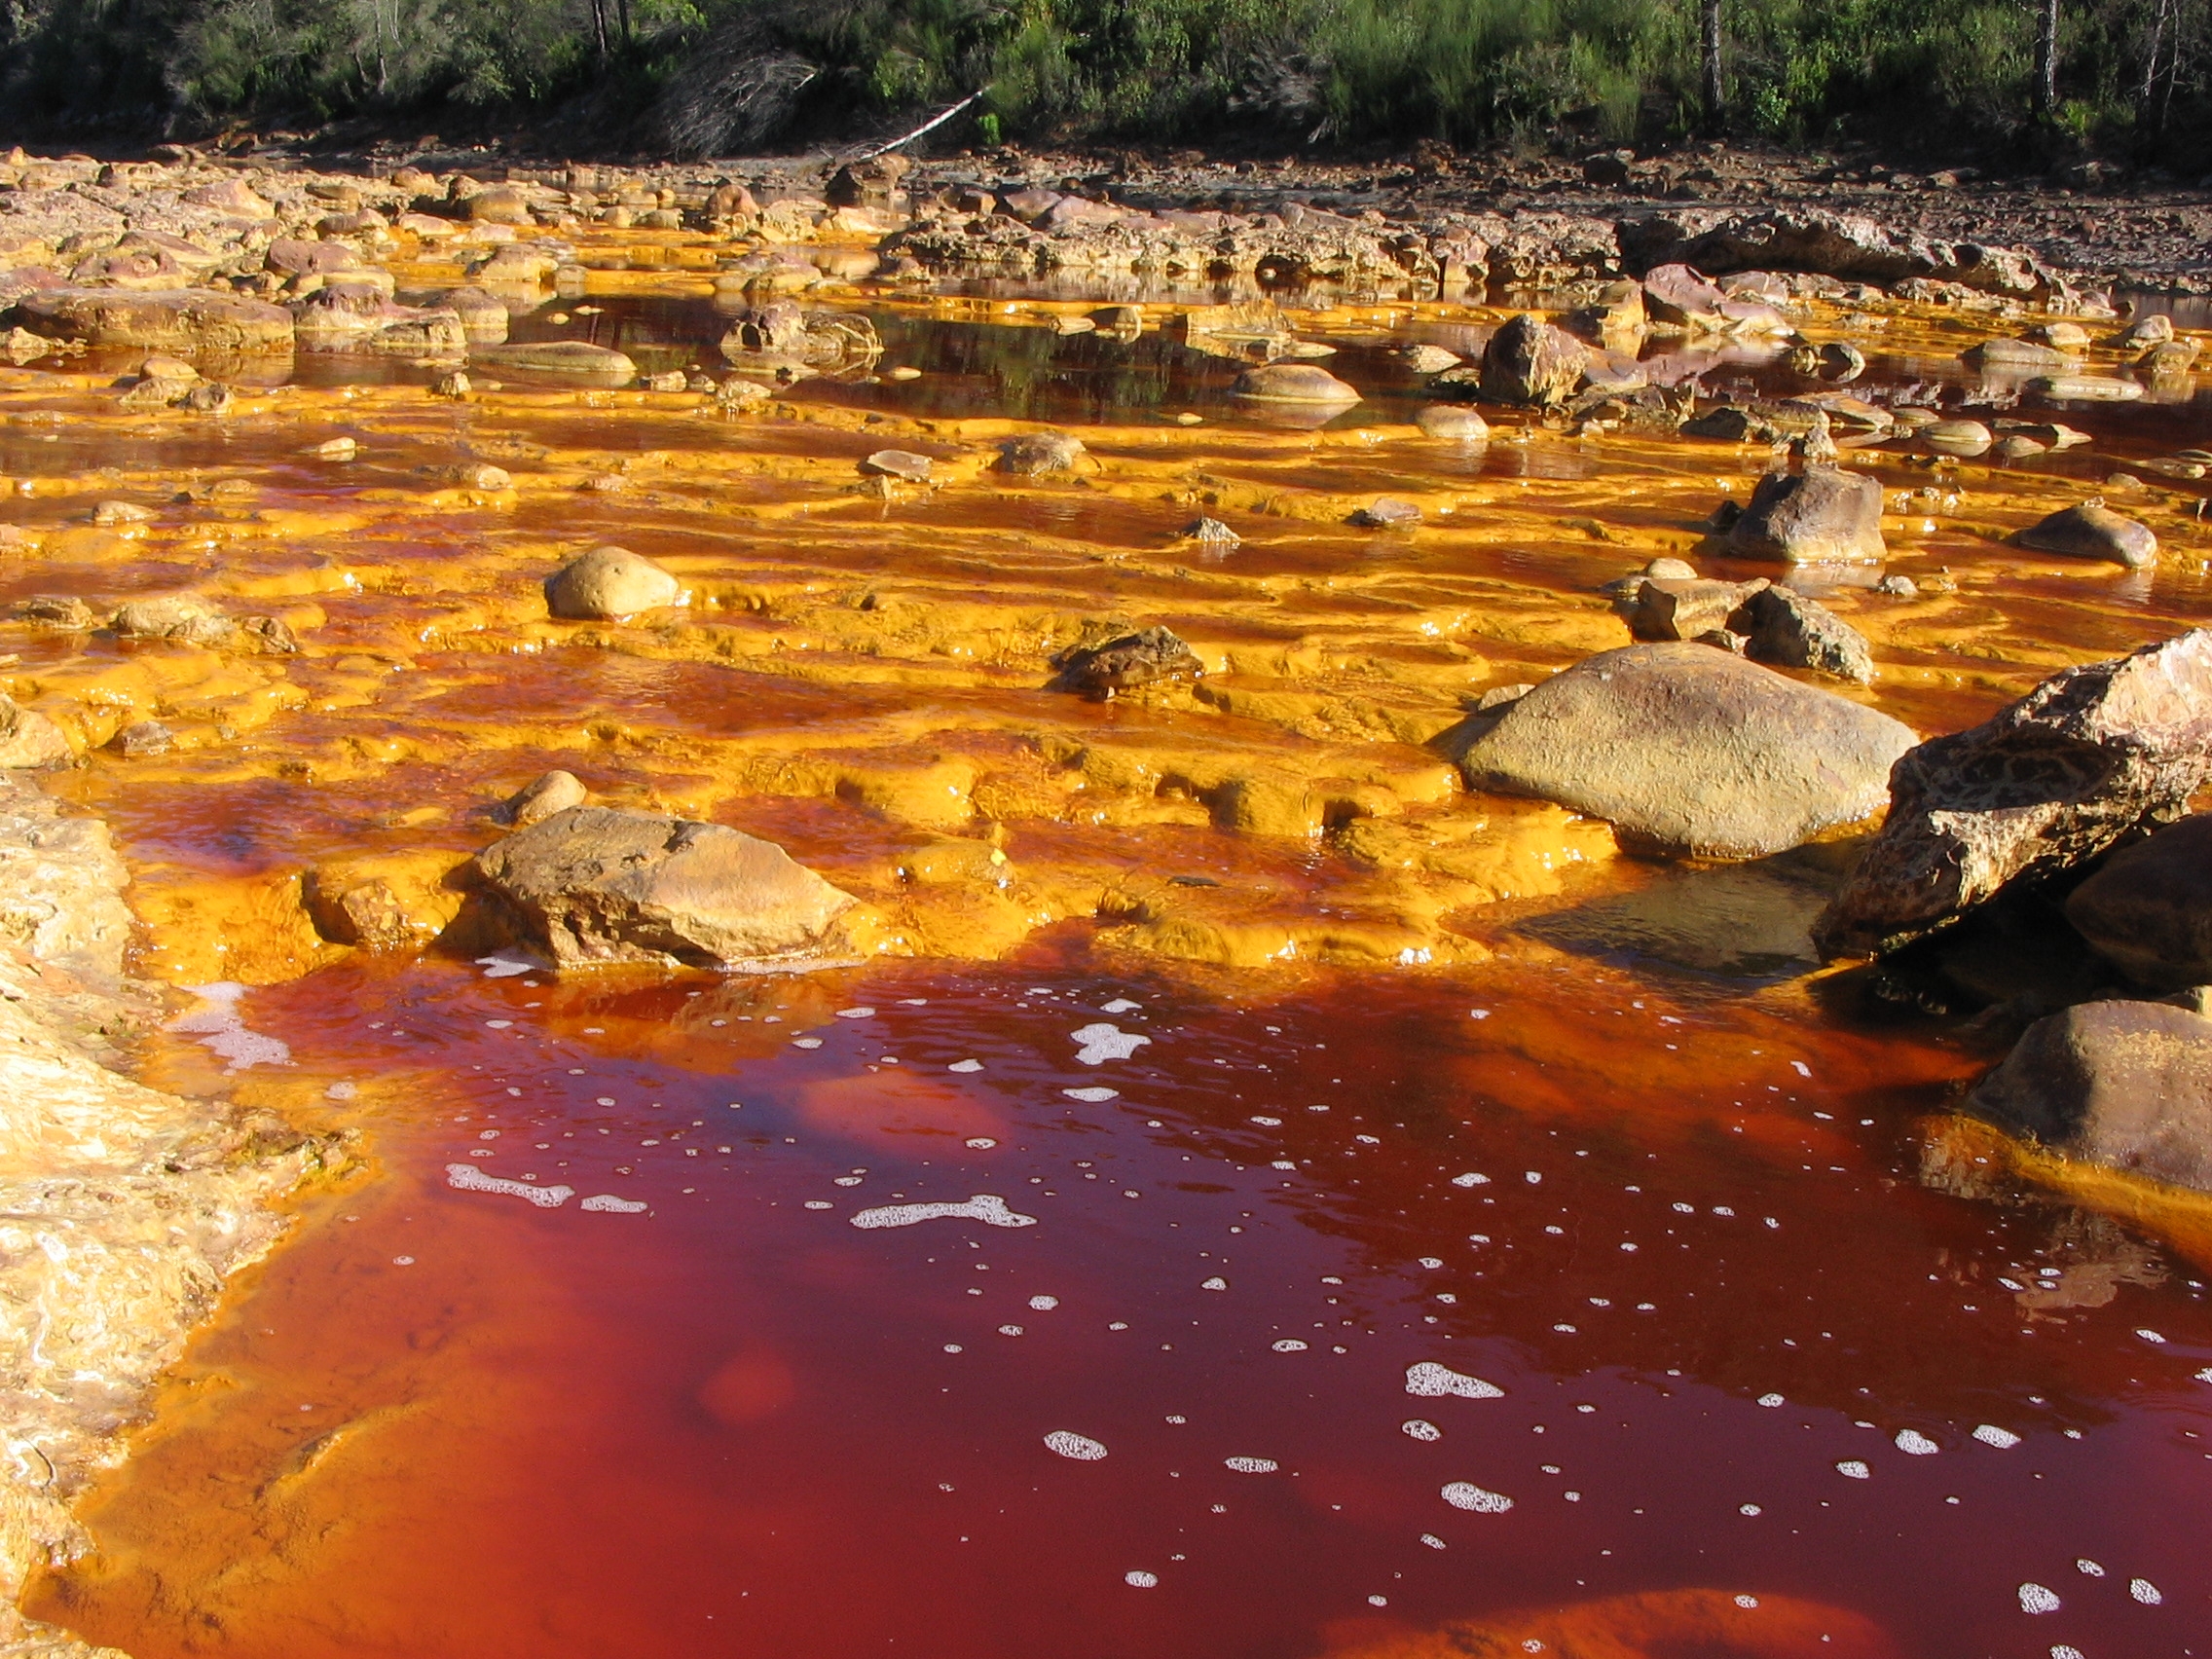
pixel 983 1207
pixel 467 1178
pixel 1431 1382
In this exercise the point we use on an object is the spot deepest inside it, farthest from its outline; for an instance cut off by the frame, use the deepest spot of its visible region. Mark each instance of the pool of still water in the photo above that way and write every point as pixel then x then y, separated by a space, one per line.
pixel 1585 1299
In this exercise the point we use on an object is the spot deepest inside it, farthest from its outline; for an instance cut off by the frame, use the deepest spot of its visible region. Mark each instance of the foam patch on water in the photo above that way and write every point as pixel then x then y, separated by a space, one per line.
pixel 1251 1465
pixel 467 1178
pixel 2145 1592
pixel 1101 1042
pixel 1119 1004
pixel 979 1143
pixel 1432 1382
pixel 1081 1446
pixel 2003 1439
pixel 612 1205
pixel 1770 1400
pixel 1465 1494
pixel 966 1067
pixel 1422 1429
pixel 1470 1179
pixel 2038 1599
pixel 1094 1095
pixel 1140 1579
pixel 1851 1468
pixel 806 1041
pixel 1044 1304
pixel 1914 1444
pixel 1217 1282
pixel 855 1014
pixel 500 965
pixel 219 1026
pixel 983 1207
pixel 1288 1345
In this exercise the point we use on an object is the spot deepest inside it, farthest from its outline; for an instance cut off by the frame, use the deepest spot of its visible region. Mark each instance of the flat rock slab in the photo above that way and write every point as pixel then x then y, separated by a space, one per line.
pixel 596 885
pixel 2124 1084
pixel 559 357
pixel 2042 786
pixel 184 320
pixel 1690 750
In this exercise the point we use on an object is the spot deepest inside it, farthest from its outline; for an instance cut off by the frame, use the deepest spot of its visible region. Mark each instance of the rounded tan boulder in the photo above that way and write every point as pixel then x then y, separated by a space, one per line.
pixel 608 584
pixel 1293 382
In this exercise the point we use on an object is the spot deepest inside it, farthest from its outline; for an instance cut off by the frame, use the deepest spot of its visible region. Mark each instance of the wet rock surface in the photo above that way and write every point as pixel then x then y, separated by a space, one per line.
pixel 1823 515
pixel 1686 750
pixel 2148 907
pixel 2048 783
pixel 2093 531
pixel 593 885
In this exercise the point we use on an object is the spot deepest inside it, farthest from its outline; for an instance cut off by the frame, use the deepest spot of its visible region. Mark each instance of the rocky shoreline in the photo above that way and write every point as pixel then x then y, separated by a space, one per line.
pixel 123 1209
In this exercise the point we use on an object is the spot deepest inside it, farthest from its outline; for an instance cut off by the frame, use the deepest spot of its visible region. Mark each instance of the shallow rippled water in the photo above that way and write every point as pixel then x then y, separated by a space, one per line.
pixel 1076 1291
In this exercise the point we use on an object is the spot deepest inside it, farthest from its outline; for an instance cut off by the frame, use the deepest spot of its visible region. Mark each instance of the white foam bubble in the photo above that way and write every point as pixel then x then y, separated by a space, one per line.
pixel 1251 1465
pixel 983 1207
pixel 499 1024
pixel 966 1067
pixel 1288 1345
pixel 341 1092
pixel 1430 1261
pixel 855 1014
pixel 1801 1068
pixel 1914 1444
pixel 219 1026
pixel 2145 1592
pixel 2094 1569
pixel 1771 1400
pixel 1748 1509
pixel 1141 1579
pixel 2061 1650
pixel 844 1180
pixel 1478 1014
pixel 1081 1446
pixel 1044 1304
pixel 1099 1043
pixel 500 965
pixel 1851 1468
pixel 2151 1336
pixel 819 1205
pixel 1009 1330
pixel 1092 1095
pixel 806 1041
pixel 2038 1599
pixel 1989 1434
pixel 1465 1494
pixel 1267 1123
pixel 1747 1601
pixel 1217 1282
pixel 1119 1004
pixel 1283 1164
pixel 608 1204
pixel 979 1143
pixel 1470 1179
pixel 467 1178
pixel 1422 1429
pixel 1432 1382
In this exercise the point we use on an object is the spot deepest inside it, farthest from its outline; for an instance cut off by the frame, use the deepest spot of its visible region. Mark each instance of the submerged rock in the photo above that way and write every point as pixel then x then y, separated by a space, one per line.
pixel 1690 750
pixel 1822 515
pixel 561 356
pixel 2124 1084
pixel 594 885
pixel 2093 531
pixel 609 583
pixel 1131 660
pixel 1034 454
pixel 2147 911
pixel 2042 786
pixel 1387 512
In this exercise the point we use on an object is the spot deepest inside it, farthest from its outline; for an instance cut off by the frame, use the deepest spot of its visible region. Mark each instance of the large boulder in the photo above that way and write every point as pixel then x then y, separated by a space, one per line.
pixel 595 885
pixel 1822 516
pixel 609 583
pixel 2124 1084
pixel 1529 361
pixel 1690 750
pixel 1721 239
pixel 2044 784
pixel 1293 382
pixel 2093 531
pixel 2149 910
pixel 28 739
pixel 184 320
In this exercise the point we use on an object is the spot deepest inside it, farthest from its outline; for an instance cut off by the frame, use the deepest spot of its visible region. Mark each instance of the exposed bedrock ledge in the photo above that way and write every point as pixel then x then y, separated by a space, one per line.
pixel 122 1208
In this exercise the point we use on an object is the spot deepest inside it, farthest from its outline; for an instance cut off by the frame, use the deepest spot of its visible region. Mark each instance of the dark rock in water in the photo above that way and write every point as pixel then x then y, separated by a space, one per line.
pixel 1529 361
pixel 1686 750
pixel 1387 512
pixel 368 913
pixel 1729 424
pixel 1122 664
pixel 1788 629
pixel 1210 530
pixel 592 885
pixel 2149 910
pixel 2128 1085
pixel 1823 515
pixel 2093 531
pixel 1738 921
pixel 2042 786
pixel 1032 455
pixel 902 464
